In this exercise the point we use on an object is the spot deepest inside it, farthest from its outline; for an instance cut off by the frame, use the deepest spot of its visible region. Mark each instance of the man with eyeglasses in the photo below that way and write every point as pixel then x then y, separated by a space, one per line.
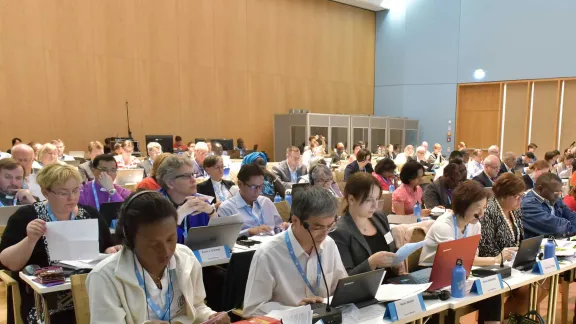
pixel 24 155
pixel 285 271
pixel 291 169
pixel 201 151
pixel 102 189
pixel 258 212
pixel 11 180
pixel 490 173
pixel 544 212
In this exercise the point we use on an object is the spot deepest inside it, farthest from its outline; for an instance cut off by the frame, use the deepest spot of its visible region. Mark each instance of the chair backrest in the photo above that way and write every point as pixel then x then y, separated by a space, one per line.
pixel 283 209
pixel 410 233
pixel 418 235
pixel 236 277
pixel 13 300
pixel 2 228
pixel 80 298
pixel 386 203
pixel 341 186
pixel 339 176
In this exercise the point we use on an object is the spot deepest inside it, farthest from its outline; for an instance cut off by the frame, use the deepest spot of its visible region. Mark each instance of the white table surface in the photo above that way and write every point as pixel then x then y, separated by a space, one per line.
pixel 41 289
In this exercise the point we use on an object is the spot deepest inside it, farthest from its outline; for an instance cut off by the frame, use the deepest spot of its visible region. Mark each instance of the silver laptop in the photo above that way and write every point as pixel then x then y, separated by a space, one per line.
pixel 402 219
pixel 75 163
pixel 6 212
pixel 225 220
pixel 129 176
pixel 205 237
pixel 77 154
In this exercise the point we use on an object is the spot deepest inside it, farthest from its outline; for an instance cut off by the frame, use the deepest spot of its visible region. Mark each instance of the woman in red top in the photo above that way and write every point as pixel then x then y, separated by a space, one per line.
pixel 150 183
pixel 384 172
pixel 570 199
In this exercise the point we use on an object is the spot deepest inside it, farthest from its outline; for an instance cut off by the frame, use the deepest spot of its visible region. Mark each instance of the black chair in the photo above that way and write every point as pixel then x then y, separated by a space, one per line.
pixel 236 277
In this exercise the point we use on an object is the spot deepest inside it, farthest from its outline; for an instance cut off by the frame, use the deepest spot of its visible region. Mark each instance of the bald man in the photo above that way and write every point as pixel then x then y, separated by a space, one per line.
pixel 24 154
pixel 339 153
pixel 494 150
pixel 490 173
pixel 425 146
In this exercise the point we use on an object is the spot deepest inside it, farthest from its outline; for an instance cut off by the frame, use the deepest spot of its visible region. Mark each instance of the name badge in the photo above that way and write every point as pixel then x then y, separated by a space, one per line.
pixel 218 253
pixel 405 307
pixel 389 238
pixel 546 266
pixel 487 284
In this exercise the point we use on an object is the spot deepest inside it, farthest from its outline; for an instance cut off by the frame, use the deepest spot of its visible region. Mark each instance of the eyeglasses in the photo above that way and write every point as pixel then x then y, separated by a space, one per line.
pixel 107 170
pixel 319 228
pixel 328 182
pixel 255 187
pixel 65 194
pixel 187 176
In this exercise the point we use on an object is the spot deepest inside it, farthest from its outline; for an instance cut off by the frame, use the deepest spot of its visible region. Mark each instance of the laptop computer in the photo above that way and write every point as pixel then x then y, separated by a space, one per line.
pixel 110 211
pixel 77 154
pixel 129 176
pixel 402 219
pixel 358 289
pixel 75 163
pixel 440 275
pixel 205 237
pixel 527 252
pixel 6 212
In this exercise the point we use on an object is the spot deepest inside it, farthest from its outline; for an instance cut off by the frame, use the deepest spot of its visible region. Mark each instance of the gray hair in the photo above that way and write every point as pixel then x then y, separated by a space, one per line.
pixel 320 170
pixel 508 156
pixel 314 202
pixel 152 145
pixel 169 168
pixel 201 146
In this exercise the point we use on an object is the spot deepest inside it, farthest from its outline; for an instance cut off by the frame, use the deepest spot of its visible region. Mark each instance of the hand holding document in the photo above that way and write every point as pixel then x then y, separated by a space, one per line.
pixel 296 315
pixel 73 240
pixel 405 251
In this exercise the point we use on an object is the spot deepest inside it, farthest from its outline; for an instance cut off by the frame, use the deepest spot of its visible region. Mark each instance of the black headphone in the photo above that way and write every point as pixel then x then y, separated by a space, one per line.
pixel 124 210
pixel 310 179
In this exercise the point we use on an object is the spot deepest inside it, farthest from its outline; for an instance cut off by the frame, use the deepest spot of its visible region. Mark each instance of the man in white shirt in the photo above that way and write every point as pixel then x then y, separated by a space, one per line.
pixel 425 146
pixel 4 155
pixel 24 154
pixel 60 146
pixel 475 166
pixel 201 151
pixel 285 271
pixel 494 150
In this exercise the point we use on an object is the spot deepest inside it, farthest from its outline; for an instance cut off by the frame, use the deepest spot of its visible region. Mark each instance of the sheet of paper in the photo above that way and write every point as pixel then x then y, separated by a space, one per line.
pixel 389 292
pixel 86 264
pixel 406 250
pixel 73 240
pixel 215 319
pixel 296 315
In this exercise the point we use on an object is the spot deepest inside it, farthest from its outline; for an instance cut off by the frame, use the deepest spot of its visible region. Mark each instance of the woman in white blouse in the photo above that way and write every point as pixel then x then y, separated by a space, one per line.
pixel 152 279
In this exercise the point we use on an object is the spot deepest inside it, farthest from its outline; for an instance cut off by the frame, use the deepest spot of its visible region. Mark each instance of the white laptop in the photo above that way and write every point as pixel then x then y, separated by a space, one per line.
pixel 129 176
pixel 77 154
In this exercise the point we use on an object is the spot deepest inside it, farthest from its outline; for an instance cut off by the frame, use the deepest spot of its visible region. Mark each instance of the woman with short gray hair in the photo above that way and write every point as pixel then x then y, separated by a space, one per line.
pixel 321 176
pixel 175 176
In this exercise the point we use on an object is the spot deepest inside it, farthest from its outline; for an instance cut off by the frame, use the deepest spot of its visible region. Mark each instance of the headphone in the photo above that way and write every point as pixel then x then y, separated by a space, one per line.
pixel 124 210
pixel 311 180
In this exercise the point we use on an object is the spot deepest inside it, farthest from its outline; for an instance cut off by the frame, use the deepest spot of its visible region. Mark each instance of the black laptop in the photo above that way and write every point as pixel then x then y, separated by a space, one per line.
pixel 527 252
pixel 359 289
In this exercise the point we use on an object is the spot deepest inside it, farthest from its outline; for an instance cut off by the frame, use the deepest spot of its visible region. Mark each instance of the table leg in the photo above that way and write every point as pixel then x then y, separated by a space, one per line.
pixel 565 288
pixel 553 297
pixel 533 295
pixel 38 305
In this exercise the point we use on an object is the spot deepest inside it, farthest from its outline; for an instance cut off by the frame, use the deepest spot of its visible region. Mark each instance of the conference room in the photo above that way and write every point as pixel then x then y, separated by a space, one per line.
pixel 303 161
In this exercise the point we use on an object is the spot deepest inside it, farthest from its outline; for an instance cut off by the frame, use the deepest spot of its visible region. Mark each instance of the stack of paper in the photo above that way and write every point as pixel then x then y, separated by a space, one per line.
pixel 297 315
pixel 85 264
pixel 388 292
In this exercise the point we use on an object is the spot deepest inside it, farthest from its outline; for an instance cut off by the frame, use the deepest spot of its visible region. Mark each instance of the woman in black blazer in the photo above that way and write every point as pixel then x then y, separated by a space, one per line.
pixel 363 235
pixel 214 166
pixel 362 164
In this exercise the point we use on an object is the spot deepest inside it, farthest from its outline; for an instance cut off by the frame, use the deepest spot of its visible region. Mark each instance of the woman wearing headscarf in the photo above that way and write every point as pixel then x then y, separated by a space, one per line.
pixel 272 184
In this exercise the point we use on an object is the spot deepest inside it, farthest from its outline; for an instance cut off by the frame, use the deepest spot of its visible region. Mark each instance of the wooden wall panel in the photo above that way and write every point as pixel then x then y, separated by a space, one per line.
pixel 545 114
pixel 516 119
pixel 478 115
pixel 568 134
pixel 195 68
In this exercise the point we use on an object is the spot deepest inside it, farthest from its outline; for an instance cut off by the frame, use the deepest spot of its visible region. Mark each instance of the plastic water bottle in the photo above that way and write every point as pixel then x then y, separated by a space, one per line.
pixel 391 188
pixel 288 198
pixel 277 198
pixel 418 211
pixel 458 280
pixel 549 249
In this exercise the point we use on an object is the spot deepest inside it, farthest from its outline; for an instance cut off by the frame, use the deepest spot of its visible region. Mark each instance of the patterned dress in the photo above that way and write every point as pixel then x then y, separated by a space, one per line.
pixel 497 231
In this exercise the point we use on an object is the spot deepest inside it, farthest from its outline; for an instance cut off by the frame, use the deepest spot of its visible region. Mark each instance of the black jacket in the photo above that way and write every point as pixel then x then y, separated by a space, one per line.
pixel 206 188
pixel 484 180
pixel 436 194
pixel 354 167
pixel 353 248
pixel 528 182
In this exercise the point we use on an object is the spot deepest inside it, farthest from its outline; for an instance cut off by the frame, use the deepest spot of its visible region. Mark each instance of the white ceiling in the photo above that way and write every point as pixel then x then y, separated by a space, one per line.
pixel 373 5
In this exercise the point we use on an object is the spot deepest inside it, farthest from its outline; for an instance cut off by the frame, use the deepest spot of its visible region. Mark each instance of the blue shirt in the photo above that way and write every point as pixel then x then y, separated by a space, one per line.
pixel 263 209
pixel 541 218
pixel 197 220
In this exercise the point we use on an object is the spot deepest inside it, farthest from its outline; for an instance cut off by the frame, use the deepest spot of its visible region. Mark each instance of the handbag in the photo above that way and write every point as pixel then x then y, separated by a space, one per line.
pixel 519 319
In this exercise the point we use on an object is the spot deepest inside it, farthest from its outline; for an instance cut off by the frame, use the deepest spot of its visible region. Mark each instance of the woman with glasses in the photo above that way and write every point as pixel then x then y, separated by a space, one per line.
pixel 363 235
pixel 272 184
pixel 126 160
pixel 102 189
pixel 176 177
pixel 321 176
pixel 362 164
pixel 23 242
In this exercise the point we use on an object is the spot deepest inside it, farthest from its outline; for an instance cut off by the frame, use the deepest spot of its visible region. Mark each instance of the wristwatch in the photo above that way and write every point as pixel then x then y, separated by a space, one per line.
pixel 112 191
pixel 213 211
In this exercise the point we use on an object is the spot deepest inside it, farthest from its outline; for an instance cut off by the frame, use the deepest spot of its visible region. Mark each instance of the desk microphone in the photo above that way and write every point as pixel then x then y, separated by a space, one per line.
pixel 307 227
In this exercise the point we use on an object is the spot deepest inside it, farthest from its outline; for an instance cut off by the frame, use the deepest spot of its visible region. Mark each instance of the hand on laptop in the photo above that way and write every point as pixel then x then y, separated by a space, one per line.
pixel 259 229
pixel 381 260
pixel 311 300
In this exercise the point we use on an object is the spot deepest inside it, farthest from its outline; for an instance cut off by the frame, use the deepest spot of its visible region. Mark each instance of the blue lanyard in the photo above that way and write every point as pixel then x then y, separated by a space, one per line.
pixel 51 214
pixel 14 202
pixel 385 180
pixel 449 196
pixel 456 228
pixel 220 193
pixel 201 169
pixel 96 200
pixel 258 221
pixel 316 291
pixel 162 315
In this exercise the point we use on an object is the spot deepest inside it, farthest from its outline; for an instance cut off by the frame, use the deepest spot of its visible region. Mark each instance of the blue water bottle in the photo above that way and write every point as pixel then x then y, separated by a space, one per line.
pixel 418 211
pixel 277 198
pixel 391 188
pixel 458 280
pixel 549 249
pixel 288 198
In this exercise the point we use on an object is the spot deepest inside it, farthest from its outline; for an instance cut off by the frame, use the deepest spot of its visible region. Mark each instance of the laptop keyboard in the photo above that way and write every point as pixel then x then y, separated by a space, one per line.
pixel 421 280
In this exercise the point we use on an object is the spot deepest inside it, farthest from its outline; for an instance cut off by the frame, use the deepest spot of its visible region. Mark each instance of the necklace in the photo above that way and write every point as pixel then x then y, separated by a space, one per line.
pixel 509 223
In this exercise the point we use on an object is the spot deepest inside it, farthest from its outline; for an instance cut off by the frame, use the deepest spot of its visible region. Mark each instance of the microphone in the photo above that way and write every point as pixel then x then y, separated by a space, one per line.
pixel 307 228
pixel 501 259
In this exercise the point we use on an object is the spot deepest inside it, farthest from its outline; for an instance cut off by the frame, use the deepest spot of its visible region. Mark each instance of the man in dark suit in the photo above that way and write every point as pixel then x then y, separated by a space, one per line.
pixel 525 161
pixel 289 170
pixel 215 186
pixel 94 149
pixel 508 163
pixel 490 173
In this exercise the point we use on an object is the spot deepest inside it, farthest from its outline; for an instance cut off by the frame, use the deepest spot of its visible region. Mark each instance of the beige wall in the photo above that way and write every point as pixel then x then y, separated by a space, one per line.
pixel 196 68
